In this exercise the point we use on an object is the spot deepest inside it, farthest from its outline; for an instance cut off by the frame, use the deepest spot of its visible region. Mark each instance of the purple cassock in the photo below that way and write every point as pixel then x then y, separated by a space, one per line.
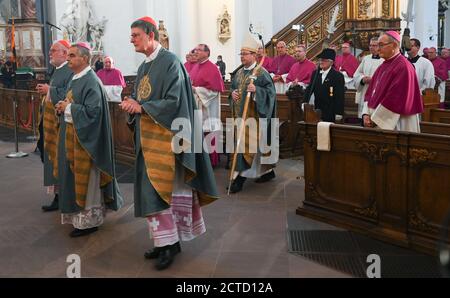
pixel 440 68
pixel 302 72
pixel 189 66
pixel 347 63
pixel 267 62
pixel 395 86
pixel 281 65
pixel 111 77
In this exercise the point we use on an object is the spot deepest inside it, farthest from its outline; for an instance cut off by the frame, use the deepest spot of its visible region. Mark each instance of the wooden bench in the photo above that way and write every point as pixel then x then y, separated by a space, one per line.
pixel 440 116
pixel 389 185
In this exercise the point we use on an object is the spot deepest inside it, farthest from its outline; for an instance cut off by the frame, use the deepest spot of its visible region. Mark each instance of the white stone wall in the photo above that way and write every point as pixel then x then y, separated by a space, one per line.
pixel 425 24
pixel 188 22
pixel 285 11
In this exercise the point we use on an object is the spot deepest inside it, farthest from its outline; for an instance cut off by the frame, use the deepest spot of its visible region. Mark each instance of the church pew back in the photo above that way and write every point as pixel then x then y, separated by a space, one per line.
pixel 392 186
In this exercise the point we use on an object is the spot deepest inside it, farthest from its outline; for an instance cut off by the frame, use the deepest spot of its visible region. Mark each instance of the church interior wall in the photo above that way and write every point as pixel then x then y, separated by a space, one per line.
pixel 426 22
pixel 190 22
pixel 285 11
pixel 447 29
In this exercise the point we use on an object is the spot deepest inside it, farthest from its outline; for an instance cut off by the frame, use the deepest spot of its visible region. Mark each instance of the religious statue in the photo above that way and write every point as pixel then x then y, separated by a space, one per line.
pixel 81 24
pixel 406 41
pixel 28 9
pixel 96 32
pixel 163 35
pixel 223 26
pixel 75 20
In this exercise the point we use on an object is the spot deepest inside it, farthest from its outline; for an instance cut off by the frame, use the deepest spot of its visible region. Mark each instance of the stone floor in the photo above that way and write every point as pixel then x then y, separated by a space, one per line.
pixel 247 233
pixel 246 237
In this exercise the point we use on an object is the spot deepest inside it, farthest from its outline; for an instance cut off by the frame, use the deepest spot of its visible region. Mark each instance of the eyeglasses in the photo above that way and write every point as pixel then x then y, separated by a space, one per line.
pixel 244 54
pixel 381 45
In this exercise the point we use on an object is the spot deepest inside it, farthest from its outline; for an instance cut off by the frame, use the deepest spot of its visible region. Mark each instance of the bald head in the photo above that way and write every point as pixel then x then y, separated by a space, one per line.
pixel 108 63
pixel 432 53
pixel 281 48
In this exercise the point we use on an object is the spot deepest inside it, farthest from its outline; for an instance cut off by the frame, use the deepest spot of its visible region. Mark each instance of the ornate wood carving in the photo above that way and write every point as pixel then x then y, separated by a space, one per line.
pixel 314 32
pixel 420 156
pixel 418 222
pixel 386 9
pixel 291 47
pixel 378 153
pixel 311 141
pixel 363 9
pixel 316 20
pixel 371 211
pixel 407 204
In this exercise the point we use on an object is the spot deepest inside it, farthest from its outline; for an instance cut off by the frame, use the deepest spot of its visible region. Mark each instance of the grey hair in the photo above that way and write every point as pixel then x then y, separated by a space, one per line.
pixel 374 39
pixel 63 48
pixel 84 52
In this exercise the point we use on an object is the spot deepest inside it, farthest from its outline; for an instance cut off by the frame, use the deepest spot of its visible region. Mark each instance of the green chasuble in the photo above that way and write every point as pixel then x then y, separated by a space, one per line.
pixel 262 106
pixel 164 90
pixel 58 88
pixel 85 144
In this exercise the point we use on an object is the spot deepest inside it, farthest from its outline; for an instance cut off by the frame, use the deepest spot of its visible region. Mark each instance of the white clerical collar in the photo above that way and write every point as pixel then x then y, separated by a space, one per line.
pixel 204 61
pixel 153 55
pixel 62 65
pixel 251 67
pixel 81 74
pixel 325 72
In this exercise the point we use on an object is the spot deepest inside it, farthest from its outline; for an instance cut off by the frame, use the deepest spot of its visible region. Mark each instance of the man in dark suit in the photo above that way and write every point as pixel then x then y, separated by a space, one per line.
pixel 327 89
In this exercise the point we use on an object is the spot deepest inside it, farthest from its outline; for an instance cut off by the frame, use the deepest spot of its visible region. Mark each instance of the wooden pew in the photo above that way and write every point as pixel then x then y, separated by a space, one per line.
pixel 440 116
pixel 350 107
pixel 392 186
pixel 431 100
pixel 289 113
pixel 435 128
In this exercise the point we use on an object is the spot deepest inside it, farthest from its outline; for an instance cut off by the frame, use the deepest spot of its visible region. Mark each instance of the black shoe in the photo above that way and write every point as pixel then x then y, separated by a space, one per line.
pixel 167 255
pixel 54 206
pixel 152 253
pixel 80 233
pixel 266 177
pixel 237 184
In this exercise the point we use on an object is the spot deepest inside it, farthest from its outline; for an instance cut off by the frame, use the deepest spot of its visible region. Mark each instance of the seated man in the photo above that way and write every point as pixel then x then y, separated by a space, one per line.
pixel 301 72
pixel 280 66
